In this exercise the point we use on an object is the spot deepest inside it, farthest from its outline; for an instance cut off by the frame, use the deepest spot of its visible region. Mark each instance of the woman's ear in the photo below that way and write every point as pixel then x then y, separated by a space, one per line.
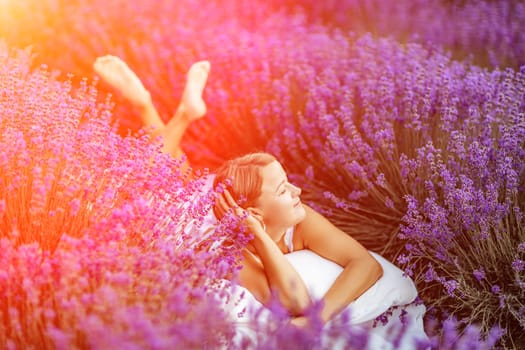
pixel 258 215
pixel 255 211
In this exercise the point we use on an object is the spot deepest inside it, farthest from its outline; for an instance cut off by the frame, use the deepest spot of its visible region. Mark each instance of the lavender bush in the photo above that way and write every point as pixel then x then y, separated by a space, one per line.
pixel 465 225
pixel 487 33
pixel 92 228
pixel 449 337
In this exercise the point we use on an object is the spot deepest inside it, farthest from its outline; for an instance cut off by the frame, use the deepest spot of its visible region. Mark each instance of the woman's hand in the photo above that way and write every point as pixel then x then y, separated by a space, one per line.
pixel 278 274
pixel 253 218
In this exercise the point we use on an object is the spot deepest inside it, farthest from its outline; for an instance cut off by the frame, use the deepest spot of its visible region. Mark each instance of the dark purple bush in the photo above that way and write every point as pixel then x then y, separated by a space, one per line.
pixel 487 33
pixel 464 222
pixel 92 227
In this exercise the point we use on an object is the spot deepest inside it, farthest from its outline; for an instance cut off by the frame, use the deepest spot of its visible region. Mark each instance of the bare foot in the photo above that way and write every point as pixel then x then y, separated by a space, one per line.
pixel 192 104
pixel 120 77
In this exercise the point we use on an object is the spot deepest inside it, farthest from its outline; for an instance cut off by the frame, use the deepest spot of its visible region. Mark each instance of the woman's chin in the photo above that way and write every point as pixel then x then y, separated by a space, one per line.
pixel 300 213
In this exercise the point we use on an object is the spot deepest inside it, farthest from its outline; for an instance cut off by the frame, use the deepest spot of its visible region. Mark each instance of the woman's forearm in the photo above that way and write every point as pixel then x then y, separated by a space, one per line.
pixel 355 279
pixel 282 277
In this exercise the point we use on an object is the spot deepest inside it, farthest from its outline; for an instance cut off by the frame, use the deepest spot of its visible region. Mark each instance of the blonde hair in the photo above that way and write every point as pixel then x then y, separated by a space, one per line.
pixel 245 174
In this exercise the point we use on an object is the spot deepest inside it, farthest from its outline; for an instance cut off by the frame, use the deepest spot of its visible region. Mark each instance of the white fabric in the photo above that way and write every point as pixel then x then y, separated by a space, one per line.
pixel 318 273
pixel 392 289
pixel 288 236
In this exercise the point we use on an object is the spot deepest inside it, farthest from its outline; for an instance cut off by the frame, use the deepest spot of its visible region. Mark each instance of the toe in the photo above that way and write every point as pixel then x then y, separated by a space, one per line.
pixel 206 65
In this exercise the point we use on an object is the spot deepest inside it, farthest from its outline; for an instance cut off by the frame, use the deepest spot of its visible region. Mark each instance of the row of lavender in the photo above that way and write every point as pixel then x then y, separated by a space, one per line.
pixel 488 33
pixel 90 228
pixel 378 134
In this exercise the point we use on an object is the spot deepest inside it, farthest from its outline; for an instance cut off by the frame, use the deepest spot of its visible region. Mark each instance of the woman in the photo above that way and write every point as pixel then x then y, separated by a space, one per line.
pixel 274 214
pixel 280 223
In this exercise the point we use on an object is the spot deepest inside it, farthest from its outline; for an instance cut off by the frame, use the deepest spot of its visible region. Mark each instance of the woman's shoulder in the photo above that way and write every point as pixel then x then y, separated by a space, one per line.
pixel 311 222
pixel 293 239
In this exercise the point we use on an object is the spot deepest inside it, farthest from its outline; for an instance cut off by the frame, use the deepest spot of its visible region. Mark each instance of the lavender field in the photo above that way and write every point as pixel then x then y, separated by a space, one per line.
pixel 402 121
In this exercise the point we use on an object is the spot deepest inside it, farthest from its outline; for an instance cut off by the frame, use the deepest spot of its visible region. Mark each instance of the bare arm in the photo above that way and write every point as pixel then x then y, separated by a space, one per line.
pixel 273 272
pixel 360 272
pixel 281 276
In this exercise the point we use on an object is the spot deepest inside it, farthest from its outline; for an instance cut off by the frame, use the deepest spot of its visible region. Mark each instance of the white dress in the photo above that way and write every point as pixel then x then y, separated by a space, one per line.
pixel 393 292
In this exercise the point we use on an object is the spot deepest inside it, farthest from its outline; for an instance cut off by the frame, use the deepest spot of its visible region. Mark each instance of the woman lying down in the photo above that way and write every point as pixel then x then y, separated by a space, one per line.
pixel 300 256
pixel 296 253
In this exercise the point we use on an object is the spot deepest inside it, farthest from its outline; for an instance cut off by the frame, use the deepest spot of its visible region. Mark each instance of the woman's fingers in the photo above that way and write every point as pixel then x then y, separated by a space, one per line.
pixel 258 217
pixel 229 199
pixel 251 217
pixel 226 202
pixel 221 206
pixel 231 203
pixel 220 211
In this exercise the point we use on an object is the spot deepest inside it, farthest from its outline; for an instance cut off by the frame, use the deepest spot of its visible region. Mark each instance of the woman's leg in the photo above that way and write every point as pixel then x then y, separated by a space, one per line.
pixel 191 108
pixel 119 76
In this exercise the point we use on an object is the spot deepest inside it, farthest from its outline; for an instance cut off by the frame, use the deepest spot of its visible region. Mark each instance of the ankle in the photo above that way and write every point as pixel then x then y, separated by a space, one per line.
pixel 181 115
pixel 146 103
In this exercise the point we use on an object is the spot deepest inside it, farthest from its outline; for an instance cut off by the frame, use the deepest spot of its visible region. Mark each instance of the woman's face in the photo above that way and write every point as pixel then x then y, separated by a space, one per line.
pixel 279 200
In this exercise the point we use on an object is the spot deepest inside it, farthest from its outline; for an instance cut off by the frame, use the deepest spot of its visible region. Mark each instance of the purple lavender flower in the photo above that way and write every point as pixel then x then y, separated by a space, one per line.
pixel 518 265
pixel 450 286
pixel 479 274
pixel 496 289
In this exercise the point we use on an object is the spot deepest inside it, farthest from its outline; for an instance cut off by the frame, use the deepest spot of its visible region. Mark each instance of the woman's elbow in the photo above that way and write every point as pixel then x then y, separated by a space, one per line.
pixel 376 270
pixel 296 302
pixel 297 305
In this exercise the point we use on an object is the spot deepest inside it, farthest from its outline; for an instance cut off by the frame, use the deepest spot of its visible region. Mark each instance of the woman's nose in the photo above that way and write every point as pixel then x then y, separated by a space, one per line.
pixel 295 190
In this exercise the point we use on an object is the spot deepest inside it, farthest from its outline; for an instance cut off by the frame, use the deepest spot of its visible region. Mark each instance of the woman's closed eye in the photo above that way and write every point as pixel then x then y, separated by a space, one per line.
pixel 286 187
